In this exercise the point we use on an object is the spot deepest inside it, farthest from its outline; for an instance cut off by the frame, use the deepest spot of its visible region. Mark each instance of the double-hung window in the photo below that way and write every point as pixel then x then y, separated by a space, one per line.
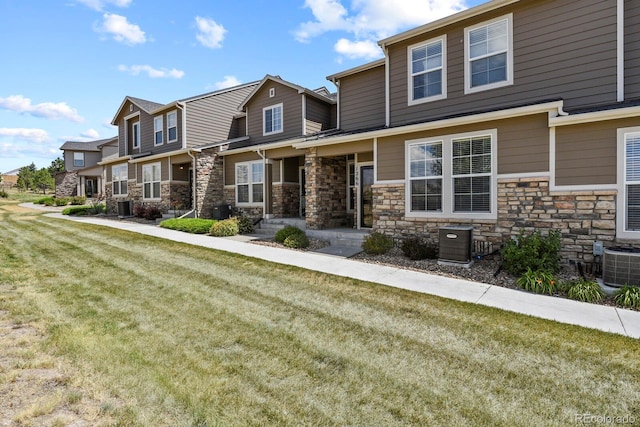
pixel 172 126
pixel 157 130
pixel 135 130
pixel 452 176
pixel 631 182
pixel 427 71
pixel 272 118
pixel 489 55
pixel 78 160
pixel 119 179
pixel 249 182
pixel 151 181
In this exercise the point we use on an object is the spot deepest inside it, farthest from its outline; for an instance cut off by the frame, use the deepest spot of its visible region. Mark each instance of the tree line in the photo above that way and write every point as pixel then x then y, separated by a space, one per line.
pixel 34 179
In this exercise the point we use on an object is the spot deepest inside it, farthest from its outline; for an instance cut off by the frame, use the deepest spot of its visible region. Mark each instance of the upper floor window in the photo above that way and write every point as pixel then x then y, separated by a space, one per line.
pixel 489 55
pixel 427 71
pixel 157 130
pixel 135 130
pixel 272 117
pixel 119 179
pixel 78 160
pixel 172 126
pixel 151 181
pixel 249 182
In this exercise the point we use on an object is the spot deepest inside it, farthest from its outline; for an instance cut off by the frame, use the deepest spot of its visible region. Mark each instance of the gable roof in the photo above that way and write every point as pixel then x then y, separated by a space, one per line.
pixel 86 145
pixel 364 67
pixel 219 91
pixel 143 104
pixel 318 94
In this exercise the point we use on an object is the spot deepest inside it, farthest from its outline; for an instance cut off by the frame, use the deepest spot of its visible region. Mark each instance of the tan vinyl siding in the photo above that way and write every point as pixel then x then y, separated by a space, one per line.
pixel 561 49
pixel 318 115
pixel 279 153
pixel 523 146
pixel 291 102
pixel 275 171
pixel 586 153
pixel 210 119
pixel 230 165
pixel 632 50
pixel 345 149
pixel 362 100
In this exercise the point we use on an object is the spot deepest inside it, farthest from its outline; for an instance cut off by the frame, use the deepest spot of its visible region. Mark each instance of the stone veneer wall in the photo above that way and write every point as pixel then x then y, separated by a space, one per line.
pixel 286 200
pixel 67 184
pixel 581 217
pixel 209 181
pixel 326 182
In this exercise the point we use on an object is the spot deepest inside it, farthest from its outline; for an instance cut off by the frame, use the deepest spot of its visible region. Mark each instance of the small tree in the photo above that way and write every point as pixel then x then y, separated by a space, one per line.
pixel 43 180
pixel 26 177
pixel 56 166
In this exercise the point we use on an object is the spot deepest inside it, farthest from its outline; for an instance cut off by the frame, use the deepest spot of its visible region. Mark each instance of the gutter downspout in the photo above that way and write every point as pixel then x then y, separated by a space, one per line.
pixel 387 114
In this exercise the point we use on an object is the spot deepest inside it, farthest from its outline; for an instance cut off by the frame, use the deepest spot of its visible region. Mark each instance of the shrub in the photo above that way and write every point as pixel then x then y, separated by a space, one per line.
pixel 139 211
pixel 61 201
pixel 535 252
pixel 4 194
pixel 283 233
pixel 49 201
pixel 152 213
pixel 76 210
pixel 628 296
pixel 226 227
pixel 97 208
pixel 189 225
pixel 245 225
pixel 377 243
pixel 586 291
pixel 537 281
pixel 78 200
pixel 42 200
pixel 296 241
pixel 416 248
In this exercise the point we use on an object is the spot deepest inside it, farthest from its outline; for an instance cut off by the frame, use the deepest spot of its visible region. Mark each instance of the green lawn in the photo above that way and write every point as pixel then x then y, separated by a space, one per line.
pixel 170 334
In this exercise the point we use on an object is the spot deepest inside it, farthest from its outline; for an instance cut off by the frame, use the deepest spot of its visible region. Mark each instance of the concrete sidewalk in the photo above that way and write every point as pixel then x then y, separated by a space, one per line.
pixel 604 318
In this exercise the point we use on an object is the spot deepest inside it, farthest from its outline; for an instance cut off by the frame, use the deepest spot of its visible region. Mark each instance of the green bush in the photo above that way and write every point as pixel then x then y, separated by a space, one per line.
pixel 61 201
pixel 245 225
pixel 226 227
pixel 534 252
pixel 189 225
pixel 586 291
pixel 43 200
pixel 377 243
pixel 283 233
pixel 78 200
pixel 628 296
pixel 538 281
pixel 416 248
pixel 97 208
pixel 296 241
pixel 50 201
pixel 4 194
pixel 76 210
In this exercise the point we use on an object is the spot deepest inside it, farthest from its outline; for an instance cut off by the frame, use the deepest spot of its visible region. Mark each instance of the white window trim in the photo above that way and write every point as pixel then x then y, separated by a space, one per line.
pixel 467 61
pixel 174 113
pixel 621 200
pixel 151 165
pixel 157 119
pixel 250 203
pixel 443 95
pixel 447 178
pixel 271 107
pixel 113 181
pixel 135 130
pixel 79 159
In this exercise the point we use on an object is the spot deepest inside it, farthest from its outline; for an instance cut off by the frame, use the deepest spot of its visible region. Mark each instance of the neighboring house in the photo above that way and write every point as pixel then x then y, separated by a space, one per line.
pixel 167 153
pixel 507 116
pixel 82 175
pixel 9 179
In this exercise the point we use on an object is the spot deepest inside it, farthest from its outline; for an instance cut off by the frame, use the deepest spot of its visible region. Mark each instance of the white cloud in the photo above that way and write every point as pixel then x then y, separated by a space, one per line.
pixel 100 4
pixel 49 110
pixel 371 20
pixel 229 81
pixel 210 33
pixel 29 135
pixel 107 124
pixel 362 49
pixel 154 73
pixel 121 30
pixel 91 133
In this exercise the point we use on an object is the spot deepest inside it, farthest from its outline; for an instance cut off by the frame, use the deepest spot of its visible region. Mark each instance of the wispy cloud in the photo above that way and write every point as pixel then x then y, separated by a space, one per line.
pixel 210 34
pixel 370 20
pixel 154 73
pixel 121 29
pixel 49 110
pixel 91 133
pixel 100 4
pixel 229 81
pixel 25 134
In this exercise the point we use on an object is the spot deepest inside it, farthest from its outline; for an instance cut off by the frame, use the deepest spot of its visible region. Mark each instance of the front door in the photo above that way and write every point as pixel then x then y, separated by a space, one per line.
pixel 89 187
pixel 366 196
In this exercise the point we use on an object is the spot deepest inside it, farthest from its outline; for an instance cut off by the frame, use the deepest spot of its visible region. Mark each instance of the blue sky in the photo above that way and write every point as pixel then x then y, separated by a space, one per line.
pixel 67 65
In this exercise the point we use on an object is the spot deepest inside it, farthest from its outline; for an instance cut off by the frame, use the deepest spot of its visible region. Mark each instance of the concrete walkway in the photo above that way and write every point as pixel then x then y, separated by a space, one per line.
pixel 604 318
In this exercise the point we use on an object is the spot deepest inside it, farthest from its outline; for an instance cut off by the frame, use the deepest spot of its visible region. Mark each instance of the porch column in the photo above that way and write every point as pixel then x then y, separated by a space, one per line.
pixel 268 188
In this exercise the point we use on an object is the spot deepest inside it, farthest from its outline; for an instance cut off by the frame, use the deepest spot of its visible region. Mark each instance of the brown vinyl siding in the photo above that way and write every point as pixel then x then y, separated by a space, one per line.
pixel 523 146
pixel 586 153
pixel 632 50
pixel 318 115
pixel 346 149
pixel 291 102
pixel 561 49
pixel 210 119
pixel 230 165
pixel 362 100
pixel 292 167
